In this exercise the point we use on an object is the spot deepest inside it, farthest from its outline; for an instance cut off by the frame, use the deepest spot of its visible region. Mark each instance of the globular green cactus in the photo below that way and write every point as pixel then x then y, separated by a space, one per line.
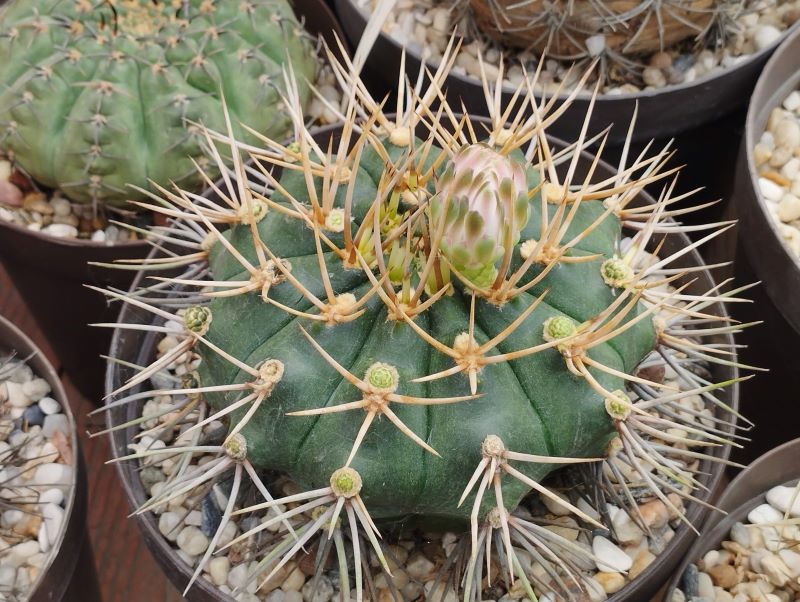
pixel 423 324
pixel 99 95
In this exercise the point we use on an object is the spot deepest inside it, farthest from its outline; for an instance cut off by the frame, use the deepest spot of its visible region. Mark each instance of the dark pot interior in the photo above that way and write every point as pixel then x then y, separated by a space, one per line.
pixel 139 348
pixel 70 574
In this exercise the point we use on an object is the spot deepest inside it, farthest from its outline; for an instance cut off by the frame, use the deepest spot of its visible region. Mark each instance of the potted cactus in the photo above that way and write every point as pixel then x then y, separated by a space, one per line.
pixel 430 334
pixel 46 551
pixel 99 96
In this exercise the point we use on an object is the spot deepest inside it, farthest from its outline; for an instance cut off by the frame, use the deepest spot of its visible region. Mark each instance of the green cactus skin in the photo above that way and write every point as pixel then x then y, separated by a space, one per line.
pixel 97 96
pixel 534 404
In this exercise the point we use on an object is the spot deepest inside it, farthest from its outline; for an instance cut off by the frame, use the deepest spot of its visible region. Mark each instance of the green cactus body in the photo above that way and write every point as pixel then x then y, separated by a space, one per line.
pixel 100 95
pixel 534 403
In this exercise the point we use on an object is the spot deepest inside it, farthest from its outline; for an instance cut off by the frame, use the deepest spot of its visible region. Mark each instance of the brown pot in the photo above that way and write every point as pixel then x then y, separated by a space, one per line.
pixel 777 467
pixel 50 272
pixel 140 347
pixel 70 574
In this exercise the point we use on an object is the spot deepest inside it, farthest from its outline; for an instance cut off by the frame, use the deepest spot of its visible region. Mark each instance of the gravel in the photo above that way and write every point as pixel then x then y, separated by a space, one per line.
pixel 36 476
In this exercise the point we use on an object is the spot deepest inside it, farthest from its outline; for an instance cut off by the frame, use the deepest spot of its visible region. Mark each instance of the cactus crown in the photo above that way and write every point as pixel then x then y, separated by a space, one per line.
pixel 98 96
pixel 416 350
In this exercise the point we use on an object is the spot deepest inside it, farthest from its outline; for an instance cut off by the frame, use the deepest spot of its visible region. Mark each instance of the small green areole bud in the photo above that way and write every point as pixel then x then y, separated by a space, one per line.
pixel 383 377
pixel 335 220
pixel 236 447
pixel 294 147
pixel 559 327
pixel 616 272
pixel 197 319
pixel 346 482
pixel 618 405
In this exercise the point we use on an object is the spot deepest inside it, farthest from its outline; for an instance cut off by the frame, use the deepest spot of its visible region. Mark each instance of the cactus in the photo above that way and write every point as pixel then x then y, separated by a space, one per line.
pixel 424 324
pixel 98 95
pixel 620 29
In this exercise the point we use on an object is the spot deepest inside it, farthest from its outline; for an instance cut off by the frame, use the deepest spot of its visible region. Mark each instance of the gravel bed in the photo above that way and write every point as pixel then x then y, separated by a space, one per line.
pixel 424 28
pixel 777 158
pixel 760 560
pixel 36 477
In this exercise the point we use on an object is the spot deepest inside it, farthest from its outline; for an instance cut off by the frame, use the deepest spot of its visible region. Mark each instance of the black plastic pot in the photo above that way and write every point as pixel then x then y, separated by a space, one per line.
pixel 662 113
pixel 70 574
pixel 777 467
pixel 704 117
pixel 50 272
pixel 760 255
pixel 139 348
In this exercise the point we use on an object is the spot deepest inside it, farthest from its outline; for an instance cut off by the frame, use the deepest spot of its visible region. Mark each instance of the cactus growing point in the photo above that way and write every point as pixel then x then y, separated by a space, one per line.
pixel 425 324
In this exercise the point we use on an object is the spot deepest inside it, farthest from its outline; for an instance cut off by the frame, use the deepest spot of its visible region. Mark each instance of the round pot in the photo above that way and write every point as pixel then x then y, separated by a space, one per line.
pixel 662 113
pixel 748 490
pixel 51 272
pixel 70 572
pixel 139 348
pixel 772 260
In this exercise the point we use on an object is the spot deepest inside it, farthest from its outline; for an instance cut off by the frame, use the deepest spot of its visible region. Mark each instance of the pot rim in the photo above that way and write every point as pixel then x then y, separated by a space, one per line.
pixel 13 339
pixel 751 133
pixel 604 98
pixel 697 513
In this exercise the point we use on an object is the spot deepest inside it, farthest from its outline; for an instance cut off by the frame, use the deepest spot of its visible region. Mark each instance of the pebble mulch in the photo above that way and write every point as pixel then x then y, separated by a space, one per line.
pixel 777 158
pixel 424 28
pixel 36 477
pixel 759 561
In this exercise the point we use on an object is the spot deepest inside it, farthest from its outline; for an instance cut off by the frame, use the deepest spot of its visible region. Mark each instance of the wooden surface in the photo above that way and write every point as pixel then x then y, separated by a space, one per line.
pixel 126 570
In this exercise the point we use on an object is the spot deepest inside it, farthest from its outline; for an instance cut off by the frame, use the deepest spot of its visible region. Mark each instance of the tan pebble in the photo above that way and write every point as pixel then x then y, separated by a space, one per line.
pixel 278 578
pixel 640 563
pixel 294 582
pixel 611 582
pixel 384 595
pixel 565 532
pixel 789 208
pixel 661 60
pixel 677 501
pixel 723 575
pixel 777 178
pixel 761 154
pixel 775 117
pixel 35 201
pixel 654 513
pixel 780 157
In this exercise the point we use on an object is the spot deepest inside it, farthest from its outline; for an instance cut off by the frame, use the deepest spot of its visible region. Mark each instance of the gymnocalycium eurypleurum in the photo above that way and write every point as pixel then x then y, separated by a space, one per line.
pixel 421 318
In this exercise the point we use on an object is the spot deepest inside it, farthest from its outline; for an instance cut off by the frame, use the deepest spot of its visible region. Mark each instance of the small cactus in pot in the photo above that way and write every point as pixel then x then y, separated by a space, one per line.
pixel 420 321
pixel 100 95
pixel 619 28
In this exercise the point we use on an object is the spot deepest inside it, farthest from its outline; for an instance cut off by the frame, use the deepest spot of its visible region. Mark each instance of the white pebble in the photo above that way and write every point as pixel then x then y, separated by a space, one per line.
pixel 167 525
pixel 43 539
pixel 16 395
pixel 792 102
pixel 98 236
pixel 53 519
pixel 55 423
pixel 781 497
pixel 789 208
pixel 770 190
pixel 765 35
pixel 52 496
pixel 218 568
pixel 192 541
pixel 764 514
pixel 61 230
pixel 19 554
pixel 614 560
pixel 49 406
pixel 596 44
pixel 61 206
pixel 787 134
pixel 53 474
pixel 36 389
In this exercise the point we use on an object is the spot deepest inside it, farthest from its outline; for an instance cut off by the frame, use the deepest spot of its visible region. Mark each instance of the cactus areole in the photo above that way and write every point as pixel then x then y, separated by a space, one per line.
pixel 409 394
pixel 100 95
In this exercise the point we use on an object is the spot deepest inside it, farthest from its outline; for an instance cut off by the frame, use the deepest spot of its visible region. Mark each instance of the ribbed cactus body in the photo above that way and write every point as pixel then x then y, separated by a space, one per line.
pixel 100 95
pixel 534 403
